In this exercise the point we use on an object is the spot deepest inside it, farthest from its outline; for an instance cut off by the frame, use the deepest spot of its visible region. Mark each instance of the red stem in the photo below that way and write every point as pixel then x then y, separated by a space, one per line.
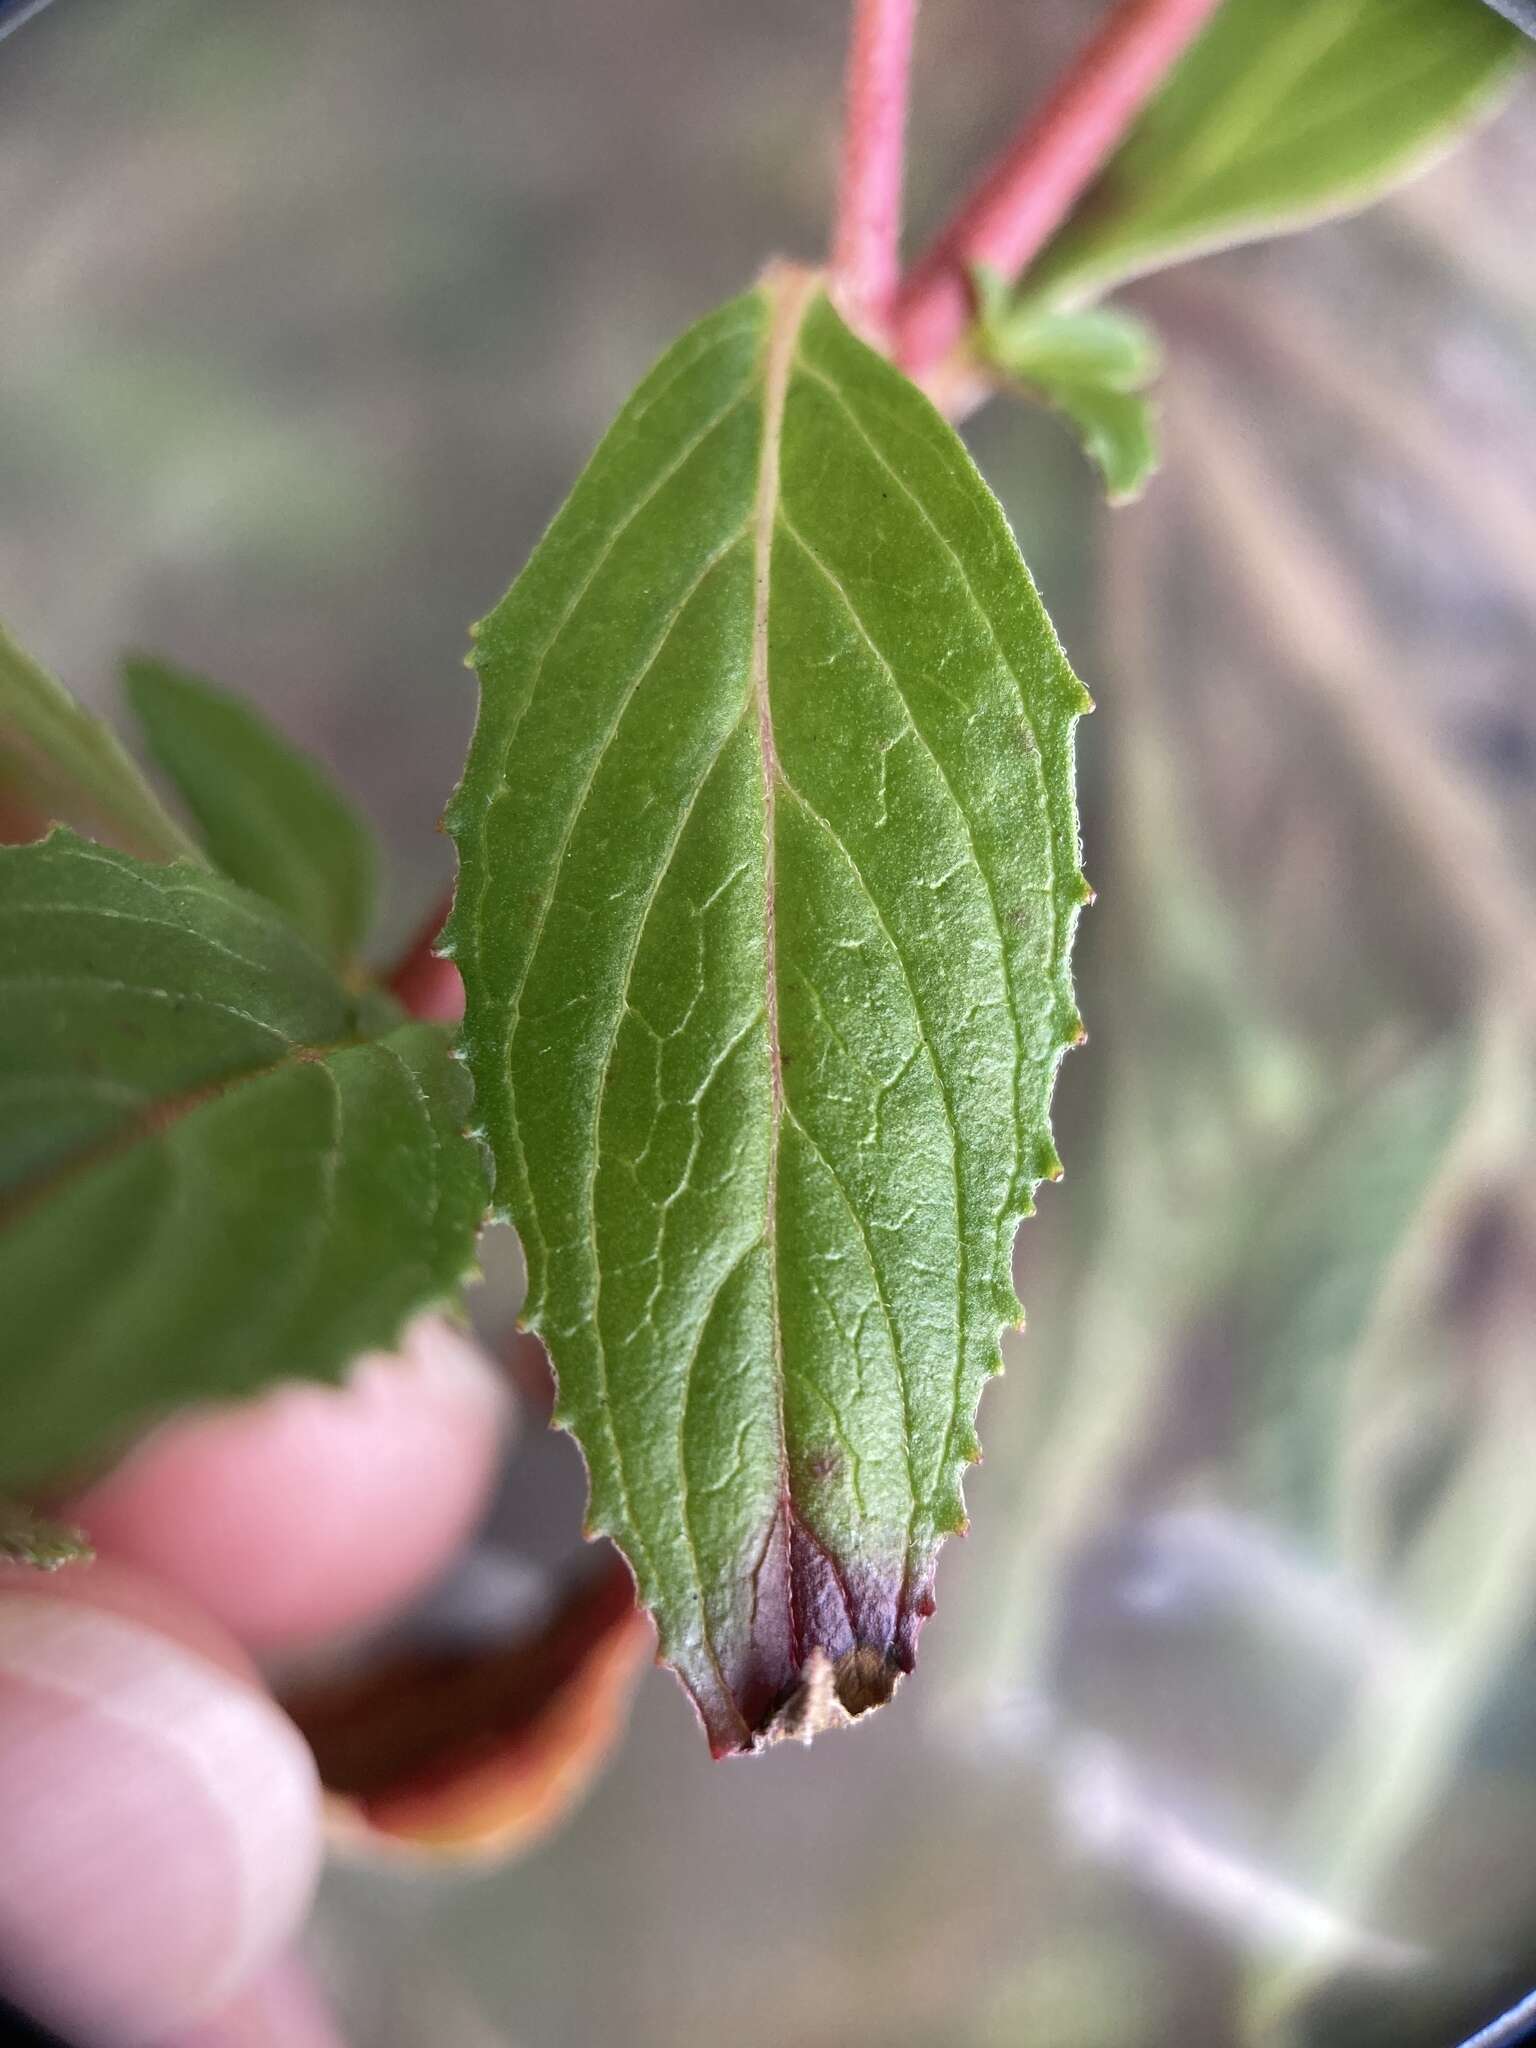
pixel 866 242
pixel 1031 188
pixel 427 986
pixel 1004 224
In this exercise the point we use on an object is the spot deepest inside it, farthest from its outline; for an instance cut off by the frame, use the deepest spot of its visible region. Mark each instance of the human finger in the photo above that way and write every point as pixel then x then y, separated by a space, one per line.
pixel 315 1509
pixel 160 1815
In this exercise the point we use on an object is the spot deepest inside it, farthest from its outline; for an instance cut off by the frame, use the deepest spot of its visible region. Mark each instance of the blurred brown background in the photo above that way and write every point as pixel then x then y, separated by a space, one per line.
pixel 1224 1732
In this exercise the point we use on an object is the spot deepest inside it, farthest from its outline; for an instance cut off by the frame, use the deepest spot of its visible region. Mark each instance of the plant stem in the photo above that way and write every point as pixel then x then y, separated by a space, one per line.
pixel 428 986
pixel 866 239
pixel 1029 191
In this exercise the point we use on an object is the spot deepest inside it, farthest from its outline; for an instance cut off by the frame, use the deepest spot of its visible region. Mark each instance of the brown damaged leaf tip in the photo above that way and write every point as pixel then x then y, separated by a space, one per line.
pixel 478 1753
pixel 832 1695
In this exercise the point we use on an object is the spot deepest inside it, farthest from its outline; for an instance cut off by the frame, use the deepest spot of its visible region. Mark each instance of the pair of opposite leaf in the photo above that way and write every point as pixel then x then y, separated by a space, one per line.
pixel 769 869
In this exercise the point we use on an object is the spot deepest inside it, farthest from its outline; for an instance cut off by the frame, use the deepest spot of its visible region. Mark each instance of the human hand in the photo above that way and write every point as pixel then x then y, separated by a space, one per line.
pixel 160 1815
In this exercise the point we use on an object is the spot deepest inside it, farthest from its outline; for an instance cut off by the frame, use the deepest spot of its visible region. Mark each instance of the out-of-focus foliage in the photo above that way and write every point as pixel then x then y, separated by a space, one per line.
pixel 219 1166
pixel 269 816
pixel 58 763
pixel 1282 113
pixel 1093 366
pixel 1338 1221
pixel 31 1539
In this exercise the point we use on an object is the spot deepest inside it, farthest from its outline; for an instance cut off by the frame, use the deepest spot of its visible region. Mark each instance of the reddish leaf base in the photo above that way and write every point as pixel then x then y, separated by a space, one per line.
pixel 829 1642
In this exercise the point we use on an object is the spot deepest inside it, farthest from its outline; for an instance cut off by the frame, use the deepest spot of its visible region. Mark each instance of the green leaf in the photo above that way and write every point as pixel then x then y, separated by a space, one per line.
pixel 219 1167
pixel 1284 112
pixel 269 816
pixel 1118 434
pixel 769 870
pixel 30 1539
pixel 1091 366
pixel 1325 1258
pixel 70 765
pixel 1099 345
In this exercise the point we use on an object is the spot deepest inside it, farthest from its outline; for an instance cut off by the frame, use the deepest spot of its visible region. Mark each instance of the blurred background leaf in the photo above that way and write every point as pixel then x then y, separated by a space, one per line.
pixel 270 818
pixel 1282 113
pixel 31 1539
pixel 1336 1224
pixel 58 764
pixel 1092 366
pixel 220 1167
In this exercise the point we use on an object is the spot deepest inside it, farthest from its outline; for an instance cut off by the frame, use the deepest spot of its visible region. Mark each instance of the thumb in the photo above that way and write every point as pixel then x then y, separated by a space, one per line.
pixel 160 1815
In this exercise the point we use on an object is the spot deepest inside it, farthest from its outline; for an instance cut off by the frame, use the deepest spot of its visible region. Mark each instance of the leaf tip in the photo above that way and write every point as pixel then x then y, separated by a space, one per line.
pixel 831 1695
pixel 949 1516
pixel 1048 1164
pixel 44 1546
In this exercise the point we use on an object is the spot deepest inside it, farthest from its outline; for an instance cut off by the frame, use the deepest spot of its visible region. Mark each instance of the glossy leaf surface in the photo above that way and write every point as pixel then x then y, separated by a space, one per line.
pixel 1283 113
pixel 270 817
pixel 219 1167
pixel 769 870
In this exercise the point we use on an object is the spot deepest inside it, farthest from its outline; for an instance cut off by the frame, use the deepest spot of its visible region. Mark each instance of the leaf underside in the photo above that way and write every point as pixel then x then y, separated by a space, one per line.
pixel 219 1167
pixel 1284 112
pixel 769 870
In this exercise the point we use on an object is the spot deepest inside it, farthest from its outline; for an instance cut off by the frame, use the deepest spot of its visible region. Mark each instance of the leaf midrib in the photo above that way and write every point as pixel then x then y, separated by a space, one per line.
pixel 792 293
pixel 156 1117
pixel 1294 52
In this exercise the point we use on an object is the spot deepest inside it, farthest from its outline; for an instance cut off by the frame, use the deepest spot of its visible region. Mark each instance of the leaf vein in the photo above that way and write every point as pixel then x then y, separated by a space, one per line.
pixel 976 604
pixel 680 461
pixel 945 1094
pixel 594 1143
pixel 852 610
pixel 897 1350
pixel 682 1471
pixel 161 995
